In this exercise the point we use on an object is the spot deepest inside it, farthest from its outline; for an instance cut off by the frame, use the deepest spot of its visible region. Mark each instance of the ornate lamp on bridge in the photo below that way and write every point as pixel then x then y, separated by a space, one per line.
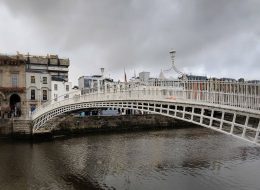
pixel 183 76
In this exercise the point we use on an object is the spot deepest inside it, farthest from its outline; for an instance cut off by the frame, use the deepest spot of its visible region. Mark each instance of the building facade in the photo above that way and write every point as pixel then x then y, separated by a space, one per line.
pixel 144 76
pixel 26 82
pixel 61 90
pixel 38 88
pixel 41 72
pixel 12 86
pixel 58 68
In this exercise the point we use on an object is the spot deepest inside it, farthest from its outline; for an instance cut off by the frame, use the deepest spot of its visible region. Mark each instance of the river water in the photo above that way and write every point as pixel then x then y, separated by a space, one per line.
pixel 194 158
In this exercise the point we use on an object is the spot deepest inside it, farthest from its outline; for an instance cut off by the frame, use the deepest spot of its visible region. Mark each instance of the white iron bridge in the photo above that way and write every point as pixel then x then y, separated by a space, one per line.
pixel 231 108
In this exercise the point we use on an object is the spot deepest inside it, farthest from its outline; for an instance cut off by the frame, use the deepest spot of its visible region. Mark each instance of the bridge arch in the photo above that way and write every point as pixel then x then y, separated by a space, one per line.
pixel 228 107
pixel 242 125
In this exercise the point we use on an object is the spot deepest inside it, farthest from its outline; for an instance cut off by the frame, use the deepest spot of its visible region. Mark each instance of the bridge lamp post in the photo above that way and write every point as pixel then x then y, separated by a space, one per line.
pixel 183 75
pixel 172 53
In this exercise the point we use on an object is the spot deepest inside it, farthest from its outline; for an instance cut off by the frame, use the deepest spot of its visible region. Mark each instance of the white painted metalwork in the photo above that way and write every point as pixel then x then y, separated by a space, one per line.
pixel 229 107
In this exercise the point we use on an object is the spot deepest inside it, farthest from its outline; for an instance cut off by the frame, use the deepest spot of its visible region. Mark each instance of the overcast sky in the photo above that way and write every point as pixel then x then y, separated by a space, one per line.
pixel 218 38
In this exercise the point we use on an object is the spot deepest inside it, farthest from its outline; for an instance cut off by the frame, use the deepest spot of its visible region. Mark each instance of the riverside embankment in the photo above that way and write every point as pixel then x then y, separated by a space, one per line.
pixel 69 125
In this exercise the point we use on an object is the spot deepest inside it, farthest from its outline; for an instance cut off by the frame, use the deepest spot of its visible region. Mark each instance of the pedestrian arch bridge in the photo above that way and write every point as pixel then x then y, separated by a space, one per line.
pixel 231 108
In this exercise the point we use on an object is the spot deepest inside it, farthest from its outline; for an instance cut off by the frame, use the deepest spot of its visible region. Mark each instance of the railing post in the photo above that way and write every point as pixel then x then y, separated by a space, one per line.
pixel 246 123
pixel 257 132
pixel 222 119
pixel 211 117
pixel 233 123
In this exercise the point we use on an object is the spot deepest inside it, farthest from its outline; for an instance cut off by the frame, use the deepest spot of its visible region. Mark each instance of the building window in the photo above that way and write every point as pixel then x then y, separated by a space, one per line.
pixel 55 87
pixel 14 80
pixel 32 94
pixel 67 87
pixel 32 79
pixel 55 97
pixel 44 80
pixel 87 83
pixel 44 95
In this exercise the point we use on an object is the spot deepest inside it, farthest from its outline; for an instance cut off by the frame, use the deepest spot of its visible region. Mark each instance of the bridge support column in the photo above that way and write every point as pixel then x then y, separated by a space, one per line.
pixel 161 108
pixel 201 115
pixel 211 117
pixel 222 119
pixel 246 123
pixel 233 123
pixel 257 133
pixel 192 113
pixel 183 112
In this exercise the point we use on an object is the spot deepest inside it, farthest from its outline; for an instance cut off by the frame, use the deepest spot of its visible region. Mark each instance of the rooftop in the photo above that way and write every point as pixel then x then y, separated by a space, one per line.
pixel 37 59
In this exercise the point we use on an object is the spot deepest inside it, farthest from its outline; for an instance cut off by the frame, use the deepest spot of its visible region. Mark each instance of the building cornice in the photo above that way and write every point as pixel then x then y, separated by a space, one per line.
pixel 12 89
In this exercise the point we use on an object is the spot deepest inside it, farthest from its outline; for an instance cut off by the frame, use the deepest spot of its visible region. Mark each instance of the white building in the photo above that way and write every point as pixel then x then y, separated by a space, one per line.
pixel 144 76
pixel 41 71
pixel 38 88
pixel 61 90
pixel 95 83
pixel 144 79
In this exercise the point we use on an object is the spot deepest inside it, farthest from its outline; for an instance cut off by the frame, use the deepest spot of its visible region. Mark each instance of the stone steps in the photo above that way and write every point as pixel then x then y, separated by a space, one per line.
pixel 22 126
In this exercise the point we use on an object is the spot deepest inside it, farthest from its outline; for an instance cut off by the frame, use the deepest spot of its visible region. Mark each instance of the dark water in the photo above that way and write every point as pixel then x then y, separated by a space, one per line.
pixel 179 159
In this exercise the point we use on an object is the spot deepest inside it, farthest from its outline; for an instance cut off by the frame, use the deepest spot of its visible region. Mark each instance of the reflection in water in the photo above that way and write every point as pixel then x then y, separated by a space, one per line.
pixel 194 158
pixel 80 182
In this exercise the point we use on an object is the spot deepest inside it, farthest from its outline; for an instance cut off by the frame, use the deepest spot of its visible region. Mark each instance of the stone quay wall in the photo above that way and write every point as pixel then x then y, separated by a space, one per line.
pixel 93 124
pixel 15 128
pixel 71 125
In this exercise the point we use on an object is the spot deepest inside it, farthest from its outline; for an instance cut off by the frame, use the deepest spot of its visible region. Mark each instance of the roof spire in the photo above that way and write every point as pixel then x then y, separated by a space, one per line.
pixel 125 75
pixel 161 76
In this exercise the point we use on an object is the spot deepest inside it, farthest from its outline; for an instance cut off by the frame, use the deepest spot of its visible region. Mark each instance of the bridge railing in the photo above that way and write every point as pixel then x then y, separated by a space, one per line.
pixel 246 96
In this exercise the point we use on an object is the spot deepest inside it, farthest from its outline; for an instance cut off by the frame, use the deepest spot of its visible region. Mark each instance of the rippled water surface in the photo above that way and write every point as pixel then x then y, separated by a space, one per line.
pixel 194 158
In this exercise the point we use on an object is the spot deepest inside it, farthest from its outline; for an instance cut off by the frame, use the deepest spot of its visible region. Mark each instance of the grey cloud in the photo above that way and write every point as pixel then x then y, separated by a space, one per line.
pixel 139 34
